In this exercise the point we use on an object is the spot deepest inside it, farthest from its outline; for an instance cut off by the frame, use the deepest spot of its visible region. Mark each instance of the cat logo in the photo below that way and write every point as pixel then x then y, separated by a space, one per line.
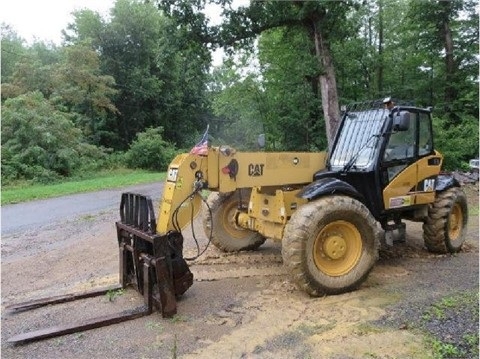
pixel 429 185
pixel 255 170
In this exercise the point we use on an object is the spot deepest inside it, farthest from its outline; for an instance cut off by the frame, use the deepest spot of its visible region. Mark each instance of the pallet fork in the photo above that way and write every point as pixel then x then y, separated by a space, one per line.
pixel 150 262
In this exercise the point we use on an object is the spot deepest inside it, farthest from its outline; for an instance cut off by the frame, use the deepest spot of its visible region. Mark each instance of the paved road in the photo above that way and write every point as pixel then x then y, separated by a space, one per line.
pixel 28 215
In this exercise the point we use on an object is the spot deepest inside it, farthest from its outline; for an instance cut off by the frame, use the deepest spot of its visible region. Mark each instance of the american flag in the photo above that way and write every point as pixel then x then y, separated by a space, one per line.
pixel 201 148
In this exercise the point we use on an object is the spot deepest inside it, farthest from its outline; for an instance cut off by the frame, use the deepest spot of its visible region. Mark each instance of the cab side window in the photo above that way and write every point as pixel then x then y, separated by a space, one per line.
pixel 425 142
pixel 401 144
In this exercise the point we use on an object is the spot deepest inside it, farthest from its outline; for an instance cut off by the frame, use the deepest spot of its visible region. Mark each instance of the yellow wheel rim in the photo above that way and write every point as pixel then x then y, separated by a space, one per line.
pixel 337 248
pixel 229 223
pixel 455 222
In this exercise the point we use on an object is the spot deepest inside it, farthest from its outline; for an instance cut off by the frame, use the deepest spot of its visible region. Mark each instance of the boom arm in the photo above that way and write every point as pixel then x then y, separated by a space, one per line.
pixel 225 170
pixel 181 198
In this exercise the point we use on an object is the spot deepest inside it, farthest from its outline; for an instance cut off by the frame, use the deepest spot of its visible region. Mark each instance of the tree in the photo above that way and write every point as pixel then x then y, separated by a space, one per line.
pixel 318 19
pixel 13 51
pixel 69 77
pixel 237 102
pixel 243 25
pixel 159 72
pixel 147 66
pixel 441 26
pixel 30 69
pixel 290 87
pixel 88 27
pixel 380 65
pixel 40 142
pixel 80 88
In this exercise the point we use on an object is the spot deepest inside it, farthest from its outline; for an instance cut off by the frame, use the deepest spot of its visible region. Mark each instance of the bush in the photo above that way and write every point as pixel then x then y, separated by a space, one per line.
pixel 108 162
pixel 458 143
pixel 13 169
pixel 114 160
pixel 41 143
pixel 96 159
pixel 150 151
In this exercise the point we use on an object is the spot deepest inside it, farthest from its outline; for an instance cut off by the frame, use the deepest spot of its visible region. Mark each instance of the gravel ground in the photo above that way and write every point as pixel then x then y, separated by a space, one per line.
pixel 449 314
pixel 413 305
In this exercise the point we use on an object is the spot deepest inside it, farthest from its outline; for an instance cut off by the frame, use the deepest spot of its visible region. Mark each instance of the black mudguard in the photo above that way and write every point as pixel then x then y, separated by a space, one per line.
pixel 329 186
pixel 445 181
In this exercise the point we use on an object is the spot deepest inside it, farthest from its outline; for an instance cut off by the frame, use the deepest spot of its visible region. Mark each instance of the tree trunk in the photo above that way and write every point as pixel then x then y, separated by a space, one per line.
pixel 380 49
pixel 328 85
pixel 449 61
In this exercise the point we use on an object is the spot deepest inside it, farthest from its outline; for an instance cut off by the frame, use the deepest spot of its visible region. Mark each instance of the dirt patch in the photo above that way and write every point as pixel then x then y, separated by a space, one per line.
pixel 241 305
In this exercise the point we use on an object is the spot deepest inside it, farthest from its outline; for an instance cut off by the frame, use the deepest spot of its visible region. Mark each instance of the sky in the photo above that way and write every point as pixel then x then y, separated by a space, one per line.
pixel 45 19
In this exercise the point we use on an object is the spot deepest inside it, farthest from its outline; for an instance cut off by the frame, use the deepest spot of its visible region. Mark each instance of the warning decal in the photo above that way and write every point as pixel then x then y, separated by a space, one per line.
pixel 403 201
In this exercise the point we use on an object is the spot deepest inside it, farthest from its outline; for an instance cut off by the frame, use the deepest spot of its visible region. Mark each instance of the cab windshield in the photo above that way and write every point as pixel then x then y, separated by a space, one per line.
pixel 357 142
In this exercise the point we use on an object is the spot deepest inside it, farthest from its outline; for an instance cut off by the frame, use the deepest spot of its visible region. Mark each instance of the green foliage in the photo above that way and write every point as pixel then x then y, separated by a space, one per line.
pixel 237 105
pixel 291 103
pixel 441 313
pixel 39 142
pixel 70 78
pixel 445 350
pixel 150 151
pixel 87 27
pixel 158 68
pixel 278 99
pixel 316 22
pixel 32 69
pixel 112 294
pixel 82 89
pixel 458 143
pixel 13 51
pixel 471 341
pixel 109 161
pixel 454 70
pixel 148 63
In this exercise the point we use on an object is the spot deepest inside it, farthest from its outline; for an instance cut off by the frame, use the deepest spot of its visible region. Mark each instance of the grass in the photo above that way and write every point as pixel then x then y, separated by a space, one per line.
pixel 23 192
pixel 113 294
pixel 467 345
pixel 367 328
pixel 444 350
pixel 153 325
pixel 473 211
pixel 178 319
pixel 465 299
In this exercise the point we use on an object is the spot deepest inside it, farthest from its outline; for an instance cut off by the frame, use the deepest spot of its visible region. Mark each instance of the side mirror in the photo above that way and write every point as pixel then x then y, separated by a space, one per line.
pixel 401 121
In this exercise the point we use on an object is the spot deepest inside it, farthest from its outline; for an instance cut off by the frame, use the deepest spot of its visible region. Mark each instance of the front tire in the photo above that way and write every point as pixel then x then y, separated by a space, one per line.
pixel 221 222
pixel 445 229
pixel 330 245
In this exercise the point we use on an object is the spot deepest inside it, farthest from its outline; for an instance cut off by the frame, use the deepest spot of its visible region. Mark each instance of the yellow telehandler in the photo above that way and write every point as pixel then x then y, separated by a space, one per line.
pixel 330 211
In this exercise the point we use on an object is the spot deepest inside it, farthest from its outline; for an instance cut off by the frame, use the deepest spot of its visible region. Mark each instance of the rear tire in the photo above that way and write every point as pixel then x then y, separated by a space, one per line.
pixel 445 229
pixel 330 245
pixel 226 235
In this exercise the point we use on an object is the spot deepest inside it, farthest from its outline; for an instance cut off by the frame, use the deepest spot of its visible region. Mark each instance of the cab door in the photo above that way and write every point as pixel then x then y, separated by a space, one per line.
pixel 410 166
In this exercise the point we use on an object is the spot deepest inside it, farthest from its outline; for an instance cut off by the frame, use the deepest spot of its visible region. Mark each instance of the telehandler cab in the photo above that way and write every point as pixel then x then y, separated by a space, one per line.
pixel 328 210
